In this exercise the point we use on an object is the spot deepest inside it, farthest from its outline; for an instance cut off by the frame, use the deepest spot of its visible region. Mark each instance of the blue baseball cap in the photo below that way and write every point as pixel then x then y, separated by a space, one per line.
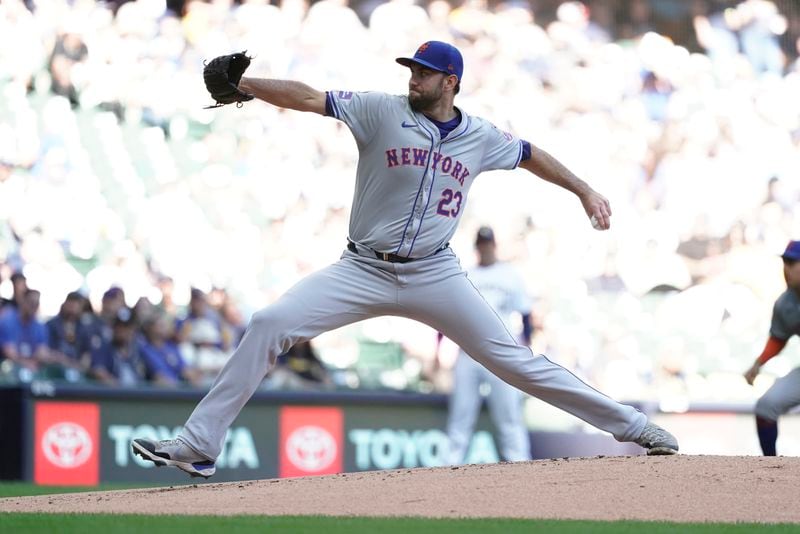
pixel 792 251
pixel 438 56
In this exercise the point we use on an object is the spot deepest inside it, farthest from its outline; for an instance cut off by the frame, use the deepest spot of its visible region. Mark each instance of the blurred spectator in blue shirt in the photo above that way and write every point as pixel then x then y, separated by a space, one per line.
pixel 23 338
pixel 118 362
pixel 101 324
pixel 162 358
pixel 92 326
pixel 69 338
pixel 144 310
pixel 199 312
pixel 113 300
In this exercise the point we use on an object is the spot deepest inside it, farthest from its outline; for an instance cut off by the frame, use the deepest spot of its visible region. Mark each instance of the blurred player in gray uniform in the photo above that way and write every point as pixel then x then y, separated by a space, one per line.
pixel 418 156
pixel 503 289
pixel 785 392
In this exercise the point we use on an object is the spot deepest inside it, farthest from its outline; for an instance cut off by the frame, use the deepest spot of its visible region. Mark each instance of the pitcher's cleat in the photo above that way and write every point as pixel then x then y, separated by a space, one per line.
pixel 656 440
pixel 176 453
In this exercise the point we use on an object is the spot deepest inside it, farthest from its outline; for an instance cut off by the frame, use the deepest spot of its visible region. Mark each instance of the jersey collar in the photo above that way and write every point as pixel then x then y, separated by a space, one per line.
pixel 420 118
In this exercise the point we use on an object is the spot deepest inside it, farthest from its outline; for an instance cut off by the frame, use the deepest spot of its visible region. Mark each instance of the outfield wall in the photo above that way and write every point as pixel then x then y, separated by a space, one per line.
pixel 78 435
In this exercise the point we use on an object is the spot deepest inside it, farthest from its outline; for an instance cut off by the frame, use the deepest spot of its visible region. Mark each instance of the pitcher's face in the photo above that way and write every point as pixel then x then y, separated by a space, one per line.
pixel 425 87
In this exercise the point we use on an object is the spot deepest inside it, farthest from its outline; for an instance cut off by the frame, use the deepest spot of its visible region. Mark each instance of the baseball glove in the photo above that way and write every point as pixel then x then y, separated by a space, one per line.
pixel 222 75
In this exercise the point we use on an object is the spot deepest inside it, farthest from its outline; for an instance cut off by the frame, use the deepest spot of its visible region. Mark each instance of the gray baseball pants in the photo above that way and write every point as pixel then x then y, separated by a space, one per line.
pixel 434 291
pixel 782 396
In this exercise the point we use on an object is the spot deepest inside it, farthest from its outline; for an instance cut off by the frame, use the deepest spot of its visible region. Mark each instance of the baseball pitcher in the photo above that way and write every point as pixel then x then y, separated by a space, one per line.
pixel 418 157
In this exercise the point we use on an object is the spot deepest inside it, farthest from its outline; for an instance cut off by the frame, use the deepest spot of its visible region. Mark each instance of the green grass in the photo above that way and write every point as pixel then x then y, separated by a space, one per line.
pixel 134 524
pixel 119 524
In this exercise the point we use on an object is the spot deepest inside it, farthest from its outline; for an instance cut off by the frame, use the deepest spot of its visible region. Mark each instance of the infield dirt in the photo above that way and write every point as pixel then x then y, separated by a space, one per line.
pixel 668 488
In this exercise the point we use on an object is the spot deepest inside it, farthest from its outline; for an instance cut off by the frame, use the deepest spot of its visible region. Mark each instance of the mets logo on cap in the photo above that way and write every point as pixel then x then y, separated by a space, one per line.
pixel 423 47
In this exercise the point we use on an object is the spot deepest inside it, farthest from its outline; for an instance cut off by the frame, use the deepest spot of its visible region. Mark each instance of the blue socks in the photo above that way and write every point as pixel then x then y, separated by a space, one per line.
pixel 767 435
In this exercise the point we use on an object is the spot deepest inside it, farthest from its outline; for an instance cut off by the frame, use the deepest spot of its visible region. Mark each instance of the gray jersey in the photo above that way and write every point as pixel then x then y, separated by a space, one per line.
pixel 411 185
pixel 786 316
pixel 784 394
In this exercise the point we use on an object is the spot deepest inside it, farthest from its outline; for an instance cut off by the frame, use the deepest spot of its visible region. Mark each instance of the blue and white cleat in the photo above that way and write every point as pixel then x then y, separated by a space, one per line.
pixel 176 453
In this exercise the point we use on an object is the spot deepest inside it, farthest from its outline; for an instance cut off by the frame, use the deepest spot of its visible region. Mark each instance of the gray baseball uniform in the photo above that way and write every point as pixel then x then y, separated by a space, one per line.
pixel 503 289
pixel 410 192
pixel 784 394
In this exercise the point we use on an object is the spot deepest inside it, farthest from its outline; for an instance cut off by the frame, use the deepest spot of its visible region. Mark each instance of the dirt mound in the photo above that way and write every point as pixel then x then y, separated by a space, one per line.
pixel 676 488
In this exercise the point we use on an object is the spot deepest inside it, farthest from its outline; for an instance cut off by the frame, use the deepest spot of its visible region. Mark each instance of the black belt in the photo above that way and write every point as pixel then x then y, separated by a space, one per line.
pixel 388 256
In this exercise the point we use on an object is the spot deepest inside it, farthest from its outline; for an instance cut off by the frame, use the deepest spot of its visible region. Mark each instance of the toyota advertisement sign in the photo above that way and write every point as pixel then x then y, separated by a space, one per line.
pixel 66 439
pixel 84 443
pixel 311 441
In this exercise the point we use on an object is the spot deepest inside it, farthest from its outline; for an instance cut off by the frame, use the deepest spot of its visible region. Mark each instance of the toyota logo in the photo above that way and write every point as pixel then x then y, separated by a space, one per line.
pixel 311 448
pixel 67 445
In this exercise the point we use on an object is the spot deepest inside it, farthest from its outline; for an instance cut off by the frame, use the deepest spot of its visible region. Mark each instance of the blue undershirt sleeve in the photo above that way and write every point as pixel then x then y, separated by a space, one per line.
pixel 526 151
pixel 328 105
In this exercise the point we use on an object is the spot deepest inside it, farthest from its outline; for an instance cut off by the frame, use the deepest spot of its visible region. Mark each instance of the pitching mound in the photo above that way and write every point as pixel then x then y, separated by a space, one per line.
pixel 672 488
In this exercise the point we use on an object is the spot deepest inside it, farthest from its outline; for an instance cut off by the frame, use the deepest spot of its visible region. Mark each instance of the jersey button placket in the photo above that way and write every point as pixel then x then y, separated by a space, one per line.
pixel 422 205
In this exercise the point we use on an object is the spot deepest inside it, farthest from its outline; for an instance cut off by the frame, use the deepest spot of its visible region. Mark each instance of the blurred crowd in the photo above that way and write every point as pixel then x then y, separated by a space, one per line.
pixel 146 344
pixel 115 179
pixel 117 345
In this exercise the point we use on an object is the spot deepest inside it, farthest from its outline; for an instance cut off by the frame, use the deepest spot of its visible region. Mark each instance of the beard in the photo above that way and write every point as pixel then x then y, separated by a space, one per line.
pixel 424 101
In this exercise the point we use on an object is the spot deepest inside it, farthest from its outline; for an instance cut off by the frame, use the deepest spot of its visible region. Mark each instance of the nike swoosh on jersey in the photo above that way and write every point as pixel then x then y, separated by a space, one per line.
pixel 404 125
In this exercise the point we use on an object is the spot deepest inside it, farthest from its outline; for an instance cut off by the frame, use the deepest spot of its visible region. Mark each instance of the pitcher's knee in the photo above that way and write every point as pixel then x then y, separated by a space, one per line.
pixel 271 328
pixel 279 316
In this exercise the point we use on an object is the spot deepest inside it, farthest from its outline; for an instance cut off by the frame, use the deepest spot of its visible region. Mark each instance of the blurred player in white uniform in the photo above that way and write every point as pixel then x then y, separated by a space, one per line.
pixel 503 289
